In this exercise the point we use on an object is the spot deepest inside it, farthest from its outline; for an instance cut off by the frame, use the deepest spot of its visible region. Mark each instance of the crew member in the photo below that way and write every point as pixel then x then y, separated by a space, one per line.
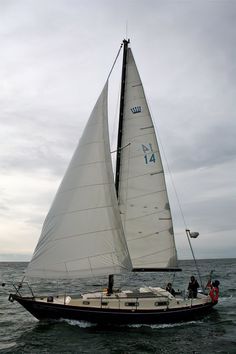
pixel 170 289
pixel 192 287
pixel 214 291
pixel 110 284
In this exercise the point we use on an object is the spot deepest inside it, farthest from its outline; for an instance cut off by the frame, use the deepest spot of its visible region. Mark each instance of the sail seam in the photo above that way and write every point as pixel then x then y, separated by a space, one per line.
pixel 81 210
pixel 146 236
pixel 152 254
pixel 142 135
pixel 90 143
pixel 143 216
pixel 145 174
pixel 87 257
pixel 131 118
pixel 83 234
pixel 88 164
pixel 146 194
pixel 84 186
pixel 90 257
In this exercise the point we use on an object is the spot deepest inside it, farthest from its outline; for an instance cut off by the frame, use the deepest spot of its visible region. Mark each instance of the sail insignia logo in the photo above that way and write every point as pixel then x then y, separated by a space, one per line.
pixel 136 109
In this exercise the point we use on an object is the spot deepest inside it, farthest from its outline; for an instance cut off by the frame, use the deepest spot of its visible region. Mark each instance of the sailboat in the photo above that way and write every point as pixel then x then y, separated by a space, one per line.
pixel 101 225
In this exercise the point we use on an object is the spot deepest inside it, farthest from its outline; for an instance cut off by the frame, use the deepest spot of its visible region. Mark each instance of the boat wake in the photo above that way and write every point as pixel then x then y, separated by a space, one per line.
pixel 84 324
pixel 167 325
pixel 225 299
pixel 81 324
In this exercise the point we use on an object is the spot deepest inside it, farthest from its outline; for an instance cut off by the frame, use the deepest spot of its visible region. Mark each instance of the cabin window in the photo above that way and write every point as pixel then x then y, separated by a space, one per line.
pixel 161 303
pixel 86 302
pixel 104 303
pixel 131 304
pixel 50 299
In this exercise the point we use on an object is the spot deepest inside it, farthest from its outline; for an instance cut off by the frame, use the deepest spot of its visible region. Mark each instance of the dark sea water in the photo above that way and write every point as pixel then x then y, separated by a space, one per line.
pixel 216 333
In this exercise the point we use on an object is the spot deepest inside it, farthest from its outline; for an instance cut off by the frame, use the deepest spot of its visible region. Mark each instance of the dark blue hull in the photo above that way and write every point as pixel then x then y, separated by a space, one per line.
pixel 46 311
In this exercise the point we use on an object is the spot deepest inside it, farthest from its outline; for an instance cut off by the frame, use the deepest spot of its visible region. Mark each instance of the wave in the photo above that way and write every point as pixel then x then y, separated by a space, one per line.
pixel 85 324
pixel 81 324
pixel 163 325
pixel 225 299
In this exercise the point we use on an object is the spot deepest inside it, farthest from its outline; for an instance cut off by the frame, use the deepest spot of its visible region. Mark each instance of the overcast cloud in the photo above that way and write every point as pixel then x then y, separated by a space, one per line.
pixel 54 59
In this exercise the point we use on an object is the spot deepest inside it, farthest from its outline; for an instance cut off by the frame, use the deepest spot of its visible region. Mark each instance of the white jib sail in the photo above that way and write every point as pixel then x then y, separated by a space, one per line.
pixel 82 235
pixel 143 199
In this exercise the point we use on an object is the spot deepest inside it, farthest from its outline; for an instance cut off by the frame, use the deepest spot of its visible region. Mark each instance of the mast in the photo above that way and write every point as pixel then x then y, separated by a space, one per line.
pixel 119 139
pixel 121 114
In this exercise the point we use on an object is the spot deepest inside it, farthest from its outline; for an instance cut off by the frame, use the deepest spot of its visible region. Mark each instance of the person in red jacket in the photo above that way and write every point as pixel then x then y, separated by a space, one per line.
pixel 214 291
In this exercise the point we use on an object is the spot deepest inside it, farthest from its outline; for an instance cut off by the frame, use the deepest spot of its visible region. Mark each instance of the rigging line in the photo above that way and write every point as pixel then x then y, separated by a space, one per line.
pixel 178 202
pixel 115 126
pixel 169 170
pixel 114 61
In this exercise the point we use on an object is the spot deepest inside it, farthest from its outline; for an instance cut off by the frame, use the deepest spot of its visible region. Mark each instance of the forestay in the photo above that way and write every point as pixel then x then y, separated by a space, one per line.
pixel 82 235
pixel 143 199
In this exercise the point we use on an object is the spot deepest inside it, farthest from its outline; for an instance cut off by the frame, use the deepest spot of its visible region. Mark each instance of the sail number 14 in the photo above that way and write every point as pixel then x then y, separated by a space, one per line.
pixel 149 155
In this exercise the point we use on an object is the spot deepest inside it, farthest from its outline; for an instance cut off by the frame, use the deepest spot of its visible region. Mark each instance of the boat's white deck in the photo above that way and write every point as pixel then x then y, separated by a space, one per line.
pixel 144 299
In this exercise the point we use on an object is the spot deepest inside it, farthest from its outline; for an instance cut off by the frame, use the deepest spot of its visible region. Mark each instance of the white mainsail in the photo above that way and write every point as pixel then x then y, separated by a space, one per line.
pixel 143 199
pixel 82 235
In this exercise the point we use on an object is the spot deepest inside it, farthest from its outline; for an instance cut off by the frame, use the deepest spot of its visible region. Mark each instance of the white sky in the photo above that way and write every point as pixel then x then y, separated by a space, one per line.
pixel 54 59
